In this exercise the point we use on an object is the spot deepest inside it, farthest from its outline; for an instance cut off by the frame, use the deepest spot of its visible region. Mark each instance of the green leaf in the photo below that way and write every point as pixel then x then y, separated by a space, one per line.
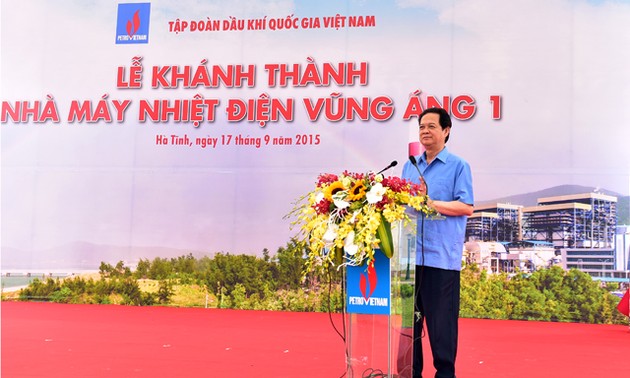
pixel 384 233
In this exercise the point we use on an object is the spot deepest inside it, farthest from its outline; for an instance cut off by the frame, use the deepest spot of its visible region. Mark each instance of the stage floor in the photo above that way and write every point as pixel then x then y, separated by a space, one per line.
pixel 54 340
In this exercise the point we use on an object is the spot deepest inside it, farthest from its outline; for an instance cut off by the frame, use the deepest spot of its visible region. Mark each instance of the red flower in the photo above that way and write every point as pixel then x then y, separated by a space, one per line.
pixel 322 207
pixel 381 204
pixel 325 179
pixel 354 175
pixel 399 185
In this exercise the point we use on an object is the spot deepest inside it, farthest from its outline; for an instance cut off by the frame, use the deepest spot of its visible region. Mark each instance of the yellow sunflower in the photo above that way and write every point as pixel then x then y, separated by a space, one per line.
pixel 357 191
pixel 332 189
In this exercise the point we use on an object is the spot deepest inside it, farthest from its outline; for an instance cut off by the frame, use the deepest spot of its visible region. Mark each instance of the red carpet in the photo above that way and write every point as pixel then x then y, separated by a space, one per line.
pixel 53 340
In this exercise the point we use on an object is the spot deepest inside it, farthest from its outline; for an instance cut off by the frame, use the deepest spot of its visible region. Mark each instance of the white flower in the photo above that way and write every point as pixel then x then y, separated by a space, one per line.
pixel 339 201
pixel 331 233
pixel 341 204
pixel 354 216
pixel 376 193
pixel 346 181
pixel 349 247
pixel 319 197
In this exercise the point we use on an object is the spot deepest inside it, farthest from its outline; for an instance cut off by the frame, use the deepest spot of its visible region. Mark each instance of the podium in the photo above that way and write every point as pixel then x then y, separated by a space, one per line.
pixel 379 309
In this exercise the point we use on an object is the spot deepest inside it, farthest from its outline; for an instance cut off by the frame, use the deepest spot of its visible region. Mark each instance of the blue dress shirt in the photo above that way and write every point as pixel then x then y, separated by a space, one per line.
pixel 448 178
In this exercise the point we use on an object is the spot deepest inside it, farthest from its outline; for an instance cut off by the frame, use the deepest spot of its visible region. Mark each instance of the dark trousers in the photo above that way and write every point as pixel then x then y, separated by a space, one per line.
pixel 437 299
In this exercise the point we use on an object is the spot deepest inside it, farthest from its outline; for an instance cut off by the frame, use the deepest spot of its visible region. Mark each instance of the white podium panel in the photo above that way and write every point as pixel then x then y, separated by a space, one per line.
pixel 379 310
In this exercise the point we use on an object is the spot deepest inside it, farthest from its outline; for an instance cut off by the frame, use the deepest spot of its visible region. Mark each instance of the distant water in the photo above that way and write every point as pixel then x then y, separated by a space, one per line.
pixel 20 281
pixel 16 282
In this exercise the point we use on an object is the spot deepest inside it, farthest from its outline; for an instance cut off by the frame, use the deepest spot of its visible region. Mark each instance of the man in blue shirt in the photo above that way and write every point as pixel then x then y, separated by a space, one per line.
pixel 448 181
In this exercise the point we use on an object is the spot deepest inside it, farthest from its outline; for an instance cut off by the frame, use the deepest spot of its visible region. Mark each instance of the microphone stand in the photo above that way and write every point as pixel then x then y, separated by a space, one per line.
pixel 413 161
pixel 392 164
pixel 418 313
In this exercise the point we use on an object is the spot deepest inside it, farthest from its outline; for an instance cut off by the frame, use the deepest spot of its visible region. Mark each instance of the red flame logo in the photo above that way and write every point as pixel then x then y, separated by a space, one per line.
pixel 370 279
pixel 134 24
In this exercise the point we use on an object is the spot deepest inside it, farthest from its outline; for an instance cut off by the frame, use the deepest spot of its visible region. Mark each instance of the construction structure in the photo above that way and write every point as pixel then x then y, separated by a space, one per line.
pixel 500 222
pixel 581 228
pixel 576 231
pixel 622 244
pixel 580 220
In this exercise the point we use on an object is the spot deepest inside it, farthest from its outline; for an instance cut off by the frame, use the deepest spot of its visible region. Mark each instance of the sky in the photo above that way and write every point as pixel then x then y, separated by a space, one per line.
pixel 558 66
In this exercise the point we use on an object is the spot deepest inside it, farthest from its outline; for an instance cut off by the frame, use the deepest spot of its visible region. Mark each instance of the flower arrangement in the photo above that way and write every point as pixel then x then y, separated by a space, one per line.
pixel 348 216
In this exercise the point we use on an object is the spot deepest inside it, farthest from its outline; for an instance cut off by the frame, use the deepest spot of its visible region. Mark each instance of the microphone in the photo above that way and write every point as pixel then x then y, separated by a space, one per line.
pixel 392 164
pixel 413 161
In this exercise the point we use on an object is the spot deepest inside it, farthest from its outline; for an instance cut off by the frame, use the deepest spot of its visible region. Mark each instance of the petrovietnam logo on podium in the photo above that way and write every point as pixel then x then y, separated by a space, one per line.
pixel 132 24
pixel 368 287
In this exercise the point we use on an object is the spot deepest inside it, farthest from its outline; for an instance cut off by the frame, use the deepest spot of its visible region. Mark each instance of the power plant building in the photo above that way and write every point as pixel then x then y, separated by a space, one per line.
pixel 498 222
pixel 579 229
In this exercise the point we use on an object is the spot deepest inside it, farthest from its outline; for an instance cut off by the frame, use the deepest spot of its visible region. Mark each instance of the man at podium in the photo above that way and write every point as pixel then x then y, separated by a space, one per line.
pixel 447 179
